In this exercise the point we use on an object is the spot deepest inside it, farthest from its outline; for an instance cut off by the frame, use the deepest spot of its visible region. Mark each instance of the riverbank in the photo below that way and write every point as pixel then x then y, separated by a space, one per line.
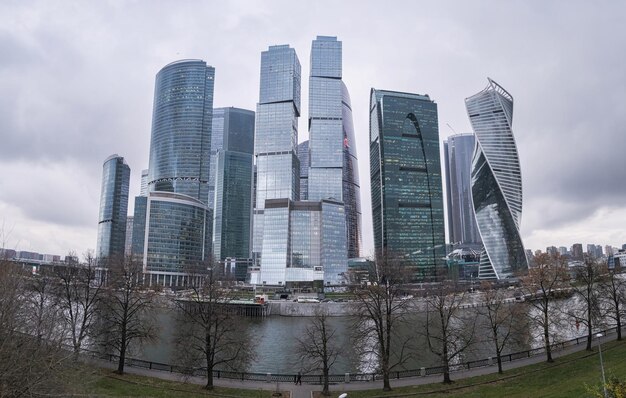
pixel 573 370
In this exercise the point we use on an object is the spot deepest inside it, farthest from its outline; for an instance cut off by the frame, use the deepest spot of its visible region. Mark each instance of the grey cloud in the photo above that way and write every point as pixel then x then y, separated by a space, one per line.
pixel 77 82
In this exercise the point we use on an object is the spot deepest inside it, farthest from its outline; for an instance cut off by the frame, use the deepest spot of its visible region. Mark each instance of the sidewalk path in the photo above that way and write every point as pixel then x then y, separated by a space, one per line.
pixel 304 390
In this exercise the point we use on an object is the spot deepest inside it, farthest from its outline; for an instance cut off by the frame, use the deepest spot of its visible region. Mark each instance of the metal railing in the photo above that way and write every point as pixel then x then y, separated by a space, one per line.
pixel 339 378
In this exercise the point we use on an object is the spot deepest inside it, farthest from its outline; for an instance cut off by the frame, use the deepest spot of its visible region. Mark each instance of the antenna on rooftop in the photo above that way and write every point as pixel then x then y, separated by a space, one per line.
pixel 453 130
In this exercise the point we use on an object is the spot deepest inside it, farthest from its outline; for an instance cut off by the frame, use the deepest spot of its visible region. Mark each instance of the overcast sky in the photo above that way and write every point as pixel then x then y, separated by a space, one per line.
pixel 77 81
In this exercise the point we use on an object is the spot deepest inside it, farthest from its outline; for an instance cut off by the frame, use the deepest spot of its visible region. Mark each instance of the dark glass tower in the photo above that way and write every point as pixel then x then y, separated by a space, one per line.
pixel 233 183
pixel 113 208
pixel 458 151
pixel 405 172
pixel 496 182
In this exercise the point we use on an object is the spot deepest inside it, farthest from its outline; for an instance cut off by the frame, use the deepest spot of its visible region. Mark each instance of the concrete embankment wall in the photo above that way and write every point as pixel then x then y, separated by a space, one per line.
pixel 289 308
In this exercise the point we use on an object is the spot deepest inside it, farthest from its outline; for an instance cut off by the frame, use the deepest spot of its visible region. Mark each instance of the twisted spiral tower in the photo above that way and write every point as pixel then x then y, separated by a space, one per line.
pixel 496 183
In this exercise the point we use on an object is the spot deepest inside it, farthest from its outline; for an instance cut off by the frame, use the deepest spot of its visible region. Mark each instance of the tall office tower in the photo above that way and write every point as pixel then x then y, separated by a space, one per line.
pixel 217 143
pixel 276 136
pixel 333 170
pixel 172 225
pixel 233 183
pixel 113 207
pixel 577 251
pixel 496 183
pixel 594 250
pixel 552 250
pixel 144 183
pixel 563 250
pixel 303 157
pixel 128 243
pixel 608 250
pixel 405 172
pixel 458 150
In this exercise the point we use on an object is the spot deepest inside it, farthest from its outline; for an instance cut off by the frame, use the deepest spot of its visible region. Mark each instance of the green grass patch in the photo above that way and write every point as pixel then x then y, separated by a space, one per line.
pixel 110 384
pixel 568 376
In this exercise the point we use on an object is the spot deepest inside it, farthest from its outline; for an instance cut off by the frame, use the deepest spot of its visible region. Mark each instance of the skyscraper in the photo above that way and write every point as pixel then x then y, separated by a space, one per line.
pixel 232 176
pixel 128 243
pixel 113 208
pixel 181 129
pixel 496 183
pixel 172 225
pixel 577 251
pixel 276 136
pixel 303 157
pixel 295 240
pixel 458 150
pixel 144 183
pixel 333 172
pixel 405 172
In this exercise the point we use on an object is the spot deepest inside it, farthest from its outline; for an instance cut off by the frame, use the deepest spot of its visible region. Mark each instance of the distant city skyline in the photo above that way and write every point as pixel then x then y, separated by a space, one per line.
pixel 93 68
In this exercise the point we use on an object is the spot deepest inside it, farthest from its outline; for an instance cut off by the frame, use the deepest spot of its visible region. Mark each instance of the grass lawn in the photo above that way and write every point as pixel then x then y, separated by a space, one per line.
pixel 108 384
pixel 566 377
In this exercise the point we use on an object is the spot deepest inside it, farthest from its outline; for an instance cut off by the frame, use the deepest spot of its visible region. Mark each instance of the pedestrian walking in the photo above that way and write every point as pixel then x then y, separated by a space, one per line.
pixel 299 378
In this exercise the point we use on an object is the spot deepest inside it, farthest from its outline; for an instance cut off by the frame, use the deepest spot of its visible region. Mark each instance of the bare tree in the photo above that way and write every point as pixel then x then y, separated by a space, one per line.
pixel 541 285
pixel 613 289
pixel 449 332
pixel 503 318
pixel 380 309
pixel 78 292
pixel 318 347
pixel 586 285
pixel 209 335
pixel 32 359
pixel 126 308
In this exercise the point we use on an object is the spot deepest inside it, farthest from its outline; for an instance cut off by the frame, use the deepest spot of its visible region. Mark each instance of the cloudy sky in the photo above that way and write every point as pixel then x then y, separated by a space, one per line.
pixel 77 80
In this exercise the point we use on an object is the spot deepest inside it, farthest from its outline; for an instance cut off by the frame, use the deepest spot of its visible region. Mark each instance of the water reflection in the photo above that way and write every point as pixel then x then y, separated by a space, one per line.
pixel 274 342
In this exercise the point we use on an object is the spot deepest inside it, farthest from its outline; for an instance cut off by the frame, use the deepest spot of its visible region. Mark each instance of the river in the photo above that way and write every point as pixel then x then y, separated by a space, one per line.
pixel 275 346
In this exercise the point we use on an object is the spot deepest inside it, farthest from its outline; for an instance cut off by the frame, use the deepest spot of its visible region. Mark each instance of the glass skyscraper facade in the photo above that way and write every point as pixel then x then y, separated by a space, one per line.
pixel 276 135
pixel 406 183
pixel 307 206
pixel 173 224
pixel 113 208
pixel 351 184
pixel 458 151
pixel 303 241
pixel 176 236
pixel 144 183
pixel 181 129
pixel 333 172
pixel 233 176
pixel 303 157
pixel 496 183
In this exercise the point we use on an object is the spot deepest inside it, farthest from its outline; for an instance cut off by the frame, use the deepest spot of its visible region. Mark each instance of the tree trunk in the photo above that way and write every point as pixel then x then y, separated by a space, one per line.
pixel 499 358
pixel 386 384
pixel 446 373
pixel 123 344
pixel 209 378
pixel 325 389
pixel 589 326
pixel 619 326
pixel 546 337
pixel 120 364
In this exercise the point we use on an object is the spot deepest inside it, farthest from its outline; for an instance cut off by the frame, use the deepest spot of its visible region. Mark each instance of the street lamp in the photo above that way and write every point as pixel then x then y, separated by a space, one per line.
pixel 599 335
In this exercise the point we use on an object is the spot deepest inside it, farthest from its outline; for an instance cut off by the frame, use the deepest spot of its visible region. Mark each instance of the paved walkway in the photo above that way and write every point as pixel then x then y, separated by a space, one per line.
pixel 305 390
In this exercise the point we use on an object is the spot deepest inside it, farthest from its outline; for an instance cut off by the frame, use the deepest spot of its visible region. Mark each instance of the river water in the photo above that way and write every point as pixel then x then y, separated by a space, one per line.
pixel 275 346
